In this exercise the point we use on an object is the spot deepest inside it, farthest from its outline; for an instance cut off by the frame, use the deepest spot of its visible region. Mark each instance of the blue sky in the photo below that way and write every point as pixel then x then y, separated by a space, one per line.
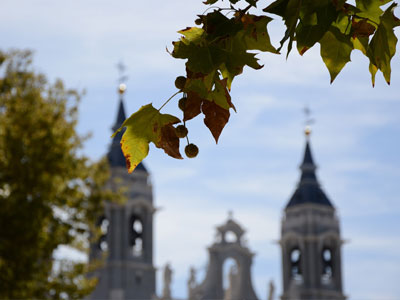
pixel 254 168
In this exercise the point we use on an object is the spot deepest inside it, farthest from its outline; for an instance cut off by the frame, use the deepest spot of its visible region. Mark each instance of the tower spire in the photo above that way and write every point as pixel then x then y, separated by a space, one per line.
pixel 308 189
pixel 115 155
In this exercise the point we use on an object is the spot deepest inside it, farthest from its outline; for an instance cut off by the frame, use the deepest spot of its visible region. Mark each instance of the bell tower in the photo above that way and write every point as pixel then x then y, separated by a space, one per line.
pixel 127 229
pixel 310 240
pixel 229 244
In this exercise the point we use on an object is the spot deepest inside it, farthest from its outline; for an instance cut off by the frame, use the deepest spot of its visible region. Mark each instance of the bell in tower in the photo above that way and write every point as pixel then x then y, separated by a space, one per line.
pixel 126 229
pixel 310 240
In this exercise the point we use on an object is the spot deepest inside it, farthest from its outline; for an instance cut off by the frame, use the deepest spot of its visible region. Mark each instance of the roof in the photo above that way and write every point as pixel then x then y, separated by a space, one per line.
pixel 115 156
pixel 308 189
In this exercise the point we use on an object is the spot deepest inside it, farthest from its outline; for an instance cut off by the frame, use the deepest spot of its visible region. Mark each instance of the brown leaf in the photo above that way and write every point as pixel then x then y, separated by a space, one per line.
pixel 362 28
pixel 215 119
pixel 169 141
pixel 192 106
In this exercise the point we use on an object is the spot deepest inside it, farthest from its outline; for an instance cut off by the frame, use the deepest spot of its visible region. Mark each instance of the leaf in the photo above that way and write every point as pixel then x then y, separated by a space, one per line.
pixel 335 51
pixel 252 2
pixel 169 141
pixel 145 126
pixel 373 69
pixel 383 44
pixel 255 33
pixel 360 43
pixel 362 28
pixel 192 106
pixel 192 34
pixel 199 58
pixel 215 119
pixel 209 2
pixel 315 20
pixel 370 9
pixel 217 26
pixel 289 10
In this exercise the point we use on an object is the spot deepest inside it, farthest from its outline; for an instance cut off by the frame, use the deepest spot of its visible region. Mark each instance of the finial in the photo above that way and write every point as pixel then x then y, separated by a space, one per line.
pixel 308 122
pixel 230 215
pixel 122 88
pixel 121 78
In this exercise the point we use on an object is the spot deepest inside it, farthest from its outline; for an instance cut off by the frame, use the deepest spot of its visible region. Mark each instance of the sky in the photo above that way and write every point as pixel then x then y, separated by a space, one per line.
pixel 253 170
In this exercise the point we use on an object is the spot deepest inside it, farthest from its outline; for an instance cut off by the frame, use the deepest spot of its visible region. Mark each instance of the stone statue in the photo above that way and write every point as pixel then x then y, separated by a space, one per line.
pixel 271 290
pixel 233 283
pixel 166 295
pixel 192 283
pixel 192 277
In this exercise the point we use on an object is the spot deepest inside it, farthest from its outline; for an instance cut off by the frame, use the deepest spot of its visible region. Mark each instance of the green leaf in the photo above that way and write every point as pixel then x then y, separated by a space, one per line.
pixel 145 126
pixel 199 58
pixel 335 51
pixel 197 86
pixel 220 95
pixel 217 26
pixel 370 9
pixel 255 33
pixel 192 34
pixel 210 2
pixel 315 19
pixel 383 44
pixel 373 69
pixel 360 43
pixel 289 10
pixel 252 2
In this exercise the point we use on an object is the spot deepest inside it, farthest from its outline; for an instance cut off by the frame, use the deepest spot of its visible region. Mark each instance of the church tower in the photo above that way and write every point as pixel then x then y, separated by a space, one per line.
pixel 310 240
pixel 127 229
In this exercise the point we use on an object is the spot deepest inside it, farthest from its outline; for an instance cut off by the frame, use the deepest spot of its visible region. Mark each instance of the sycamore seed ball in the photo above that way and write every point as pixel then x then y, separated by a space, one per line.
pixel 180 82
pixel 191 150
pixel 181 131
pixel 182 103
pixel 198 21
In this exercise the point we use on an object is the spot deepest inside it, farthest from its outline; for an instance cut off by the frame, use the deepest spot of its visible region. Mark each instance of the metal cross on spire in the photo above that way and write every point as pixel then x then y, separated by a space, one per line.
pixel 308 121
pixel 121 77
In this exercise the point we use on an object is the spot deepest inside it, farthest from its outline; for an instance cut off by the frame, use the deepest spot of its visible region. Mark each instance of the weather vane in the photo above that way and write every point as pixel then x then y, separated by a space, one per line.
pixel 308 121
pixel 122 77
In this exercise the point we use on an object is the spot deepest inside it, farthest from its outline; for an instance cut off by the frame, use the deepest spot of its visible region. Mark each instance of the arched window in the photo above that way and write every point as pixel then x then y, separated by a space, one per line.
pixel 103 224
pixel 327 265
pixel 230 237
pixel 295 264
pixel 136 235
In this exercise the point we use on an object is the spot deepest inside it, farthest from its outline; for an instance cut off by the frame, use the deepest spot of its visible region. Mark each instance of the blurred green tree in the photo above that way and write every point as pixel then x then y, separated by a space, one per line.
pixel 50 194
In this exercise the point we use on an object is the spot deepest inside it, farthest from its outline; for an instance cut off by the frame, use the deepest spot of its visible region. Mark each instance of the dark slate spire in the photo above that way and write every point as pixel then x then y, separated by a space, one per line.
pixel 308 189
pixel 115 156
pixel 121 116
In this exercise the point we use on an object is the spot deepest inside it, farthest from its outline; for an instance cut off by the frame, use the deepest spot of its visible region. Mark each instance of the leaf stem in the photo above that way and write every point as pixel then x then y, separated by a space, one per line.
pixel 187 139
pixel 219 8
pixel 169 99
pixel 243 12
pixel 364 18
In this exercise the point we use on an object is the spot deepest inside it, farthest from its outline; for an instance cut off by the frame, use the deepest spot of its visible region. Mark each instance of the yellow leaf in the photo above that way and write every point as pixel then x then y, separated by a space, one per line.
pixel 145 126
